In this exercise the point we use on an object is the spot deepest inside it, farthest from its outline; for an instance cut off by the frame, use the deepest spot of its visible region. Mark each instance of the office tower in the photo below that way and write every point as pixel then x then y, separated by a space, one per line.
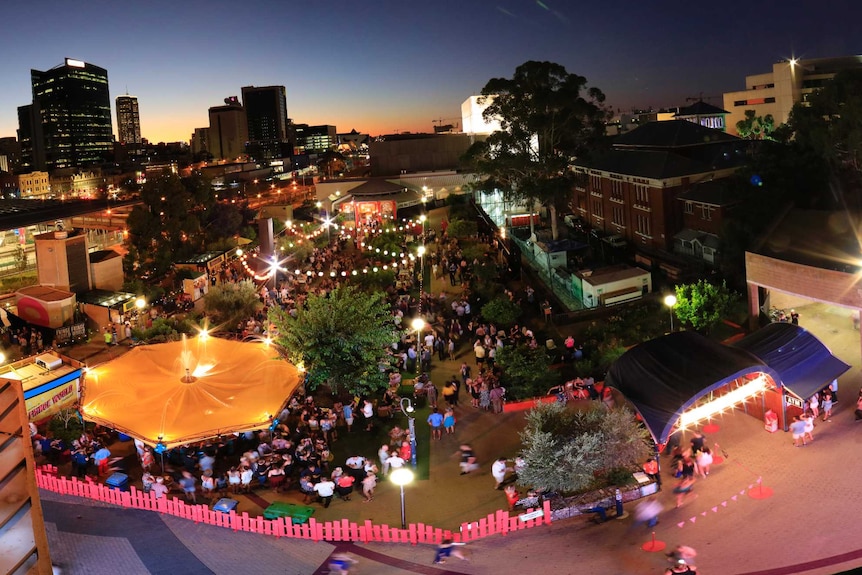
pixel 228 132
pixel 72 108
pixel 266 117
pixel 200 141
pixel 315 139
pixel 128 120
pixel 30 138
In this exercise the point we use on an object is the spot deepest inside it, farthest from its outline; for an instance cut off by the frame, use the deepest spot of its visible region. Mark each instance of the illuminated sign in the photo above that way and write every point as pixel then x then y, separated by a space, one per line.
pixel 47 399
pixel 75 63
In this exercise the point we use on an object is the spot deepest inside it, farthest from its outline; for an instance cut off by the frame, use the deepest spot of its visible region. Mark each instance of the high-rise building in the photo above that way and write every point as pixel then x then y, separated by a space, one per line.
pixel 266 118
pixel 128 120
pixel 30 138
pixel 228 131
pixel 200 141
pixel 72 109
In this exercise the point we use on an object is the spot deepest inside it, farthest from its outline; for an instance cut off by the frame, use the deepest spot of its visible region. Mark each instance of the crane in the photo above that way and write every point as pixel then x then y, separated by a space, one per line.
pixel 439 124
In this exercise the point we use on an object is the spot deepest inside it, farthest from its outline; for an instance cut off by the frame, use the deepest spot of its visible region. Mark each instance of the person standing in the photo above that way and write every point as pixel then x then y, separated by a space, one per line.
pixel 497 395
pixel 794 317
pixel 368 414
pixel 797 428
pixel 431 394
pixel 435 420
pixel 383 456
pixel 498 471
pixel 814 405
pixel 325 489
pixel 368 485
pixel 828 400
pixel 833 387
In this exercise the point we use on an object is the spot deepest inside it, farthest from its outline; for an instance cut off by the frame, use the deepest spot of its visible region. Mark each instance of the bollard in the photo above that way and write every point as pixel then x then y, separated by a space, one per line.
pixel 619 501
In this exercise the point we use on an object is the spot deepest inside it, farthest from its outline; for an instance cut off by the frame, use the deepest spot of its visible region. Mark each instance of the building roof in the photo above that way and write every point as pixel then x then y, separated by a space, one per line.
pixel 45 293
pixel 102 255
pixel 653 164
pixel 105 298
pixel 671 134
pixel 700 108
pixel 201 259
pixel 603 276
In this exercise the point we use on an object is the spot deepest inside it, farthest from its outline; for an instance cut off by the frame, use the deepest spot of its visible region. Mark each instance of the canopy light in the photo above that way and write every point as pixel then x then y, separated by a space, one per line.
pixel 723 403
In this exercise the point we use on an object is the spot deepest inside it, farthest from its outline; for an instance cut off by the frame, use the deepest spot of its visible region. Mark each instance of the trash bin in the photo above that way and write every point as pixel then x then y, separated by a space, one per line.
pixel 225 505
pixel 118 481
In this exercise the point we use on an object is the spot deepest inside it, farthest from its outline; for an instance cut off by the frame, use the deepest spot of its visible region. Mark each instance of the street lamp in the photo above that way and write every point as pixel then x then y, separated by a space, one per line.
pixel 418 324
pixel 421 252
pixel 401 477
pixel 670 301
pixel 422 219
pixel 408 410
pixel 140 303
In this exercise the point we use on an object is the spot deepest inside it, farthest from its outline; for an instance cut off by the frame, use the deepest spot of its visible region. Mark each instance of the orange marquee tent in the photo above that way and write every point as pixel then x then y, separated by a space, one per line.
pixel 179 392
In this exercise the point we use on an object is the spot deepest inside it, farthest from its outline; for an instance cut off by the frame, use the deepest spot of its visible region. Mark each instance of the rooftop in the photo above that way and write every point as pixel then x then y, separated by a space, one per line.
pixel 671 134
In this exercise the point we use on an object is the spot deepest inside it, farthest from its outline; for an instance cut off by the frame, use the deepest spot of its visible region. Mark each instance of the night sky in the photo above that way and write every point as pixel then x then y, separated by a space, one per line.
pixel 381 66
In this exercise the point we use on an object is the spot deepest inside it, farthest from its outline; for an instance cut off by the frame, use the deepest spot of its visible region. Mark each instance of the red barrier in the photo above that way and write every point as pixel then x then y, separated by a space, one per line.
pixel 499 522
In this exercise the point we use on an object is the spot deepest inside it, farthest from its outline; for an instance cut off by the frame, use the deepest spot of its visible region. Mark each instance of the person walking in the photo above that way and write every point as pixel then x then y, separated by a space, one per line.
pixel 435 420
pixel 449 421
pixel 368 485
pixel 468 459
pixel 498 471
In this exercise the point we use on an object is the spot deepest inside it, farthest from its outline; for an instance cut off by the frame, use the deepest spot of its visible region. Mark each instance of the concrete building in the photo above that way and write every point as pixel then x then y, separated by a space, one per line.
pixel 69 122
pixel 128 120
pixel 472 120
pixel 34 185
pixel 314 139
pixel 200 141
pixel 62 260
pixel 266 118
pixel 789 82
pixel 399 154
pixel 228 131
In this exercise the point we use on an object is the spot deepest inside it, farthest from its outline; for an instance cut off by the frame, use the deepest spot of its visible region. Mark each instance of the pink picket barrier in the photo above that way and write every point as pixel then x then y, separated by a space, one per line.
pixel 499 522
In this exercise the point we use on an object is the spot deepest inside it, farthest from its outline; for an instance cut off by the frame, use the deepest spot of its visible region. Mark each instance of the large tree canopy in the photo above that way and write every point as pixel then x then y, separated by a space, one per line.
pixel 702 305
pixel 340 338
pixel 228 304
pixel 547 117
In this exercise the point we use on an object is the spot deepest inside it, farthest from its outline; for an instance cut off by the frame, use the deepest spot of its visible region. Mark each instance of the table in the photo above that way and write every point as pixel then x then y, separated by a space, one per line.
pixel 298 514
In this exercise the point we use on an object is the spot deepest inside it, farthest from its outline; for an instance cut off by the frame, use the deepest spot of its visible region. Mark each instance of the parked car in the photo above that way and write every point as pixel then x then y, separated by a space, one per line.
pixel 615 240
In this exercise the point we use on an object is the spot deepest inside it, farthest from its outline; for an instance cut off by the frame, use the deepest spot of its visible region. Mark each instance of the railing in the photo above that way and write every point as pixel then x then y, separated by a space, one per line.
pixel 499 522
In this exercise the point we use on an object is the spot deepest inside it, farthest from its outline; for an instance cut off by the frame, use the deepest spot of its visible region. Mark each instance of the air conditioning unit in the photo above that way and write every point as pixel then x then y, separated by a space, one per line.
pixel 48 361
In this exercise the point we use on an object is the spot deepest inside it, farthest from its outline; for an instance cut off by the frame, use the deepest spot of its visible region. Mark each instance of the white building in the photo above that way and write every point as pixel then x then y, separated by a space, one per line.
pixel 789 82
pixel 472 119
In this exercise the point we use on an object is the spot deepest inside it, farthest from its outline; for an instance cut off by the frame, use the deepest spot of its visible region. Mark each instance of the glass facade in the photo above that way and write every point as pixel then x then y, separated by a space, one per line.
pixel 74 109
pixel 266 116
pixel 128 120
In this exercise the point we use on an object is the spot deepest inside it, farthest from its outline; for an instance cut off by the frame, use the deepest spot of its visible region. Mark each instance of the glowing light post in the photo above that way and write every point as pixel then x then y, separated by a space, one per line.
pixel 140 303
pixel 670 301
pixel 408 410
pixel 421 252
pixel 273 270
pixel 418 324
pixel 401 477
pixel 422 219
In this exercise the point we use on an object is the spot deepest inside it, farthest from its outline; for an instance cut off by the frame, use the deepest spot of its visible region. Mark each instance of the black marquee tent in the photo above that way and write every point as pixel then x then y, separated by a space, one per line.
pixel 665 377
pixel 803 362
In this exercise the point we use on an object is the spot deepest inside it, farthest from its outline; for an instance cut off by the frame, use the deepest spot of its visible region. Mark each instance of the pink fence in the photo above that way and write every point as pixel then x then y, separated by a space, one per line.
pixel 495 523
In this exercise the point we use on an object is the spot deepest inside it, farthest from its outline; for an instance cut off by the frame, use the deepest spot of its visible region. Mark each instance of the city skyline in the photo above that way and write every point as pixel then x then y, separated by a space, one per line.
pixel 390 67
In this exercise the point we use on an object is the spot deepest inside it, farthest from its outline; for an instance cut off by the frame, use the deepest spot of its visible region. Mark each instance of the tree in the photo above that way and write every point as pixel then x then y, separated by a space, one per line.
pixel 526 372
pixel 341 339
pixel 830 124
pixel 501 311
pixel 755 127
pixel 702 305
pixel 547 117
pixel 228 304
pixel 566 450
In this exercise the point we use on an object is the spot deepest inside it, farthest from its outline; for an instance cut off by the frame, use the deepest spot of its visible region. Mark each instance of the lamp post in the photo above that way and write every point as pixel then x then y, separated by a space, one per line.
pixel 670 301
pixel 422 219
pixel 401 477
pixel 408 410
pixel 421 252
pixel 418 324
pixel 140 303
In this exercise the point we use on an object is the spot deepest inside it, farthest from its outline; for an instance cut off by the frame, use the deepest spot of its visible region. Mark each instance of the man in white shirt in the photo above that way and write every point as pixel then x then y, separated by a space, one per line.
pixel 395 461
pixel 325 490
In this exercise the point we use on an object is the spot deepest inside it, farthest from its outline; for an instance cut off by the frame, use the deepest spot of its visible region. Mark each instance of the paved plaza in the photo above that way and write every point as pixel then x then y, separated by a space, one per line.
pixel 808 525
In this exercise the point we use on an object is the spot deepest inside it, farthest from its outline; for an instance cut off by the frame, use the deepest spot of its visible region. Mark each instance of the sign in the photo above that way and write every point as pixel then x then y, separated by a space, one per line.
pixel 794 401
pixel 532 515
pixel 45 400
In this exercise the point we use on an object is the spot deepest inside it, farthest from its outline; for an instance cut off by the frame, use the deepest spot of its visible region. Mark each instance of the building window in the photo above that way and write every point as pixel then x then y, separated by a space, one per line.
pixel 596 184
pixel 641 194
pixel 617 190
pixel 643 226
pixel 597 209
pixel 707 212
pixel 689 207
pixel 618 216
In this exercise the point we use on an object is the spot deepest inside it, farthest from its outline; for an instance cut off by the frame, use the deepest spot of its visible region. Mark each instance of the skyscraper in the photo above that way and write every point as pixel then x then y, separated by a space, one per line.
pixel 228 132
pixel 128 120
pixel 266 117
pixel 71 116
